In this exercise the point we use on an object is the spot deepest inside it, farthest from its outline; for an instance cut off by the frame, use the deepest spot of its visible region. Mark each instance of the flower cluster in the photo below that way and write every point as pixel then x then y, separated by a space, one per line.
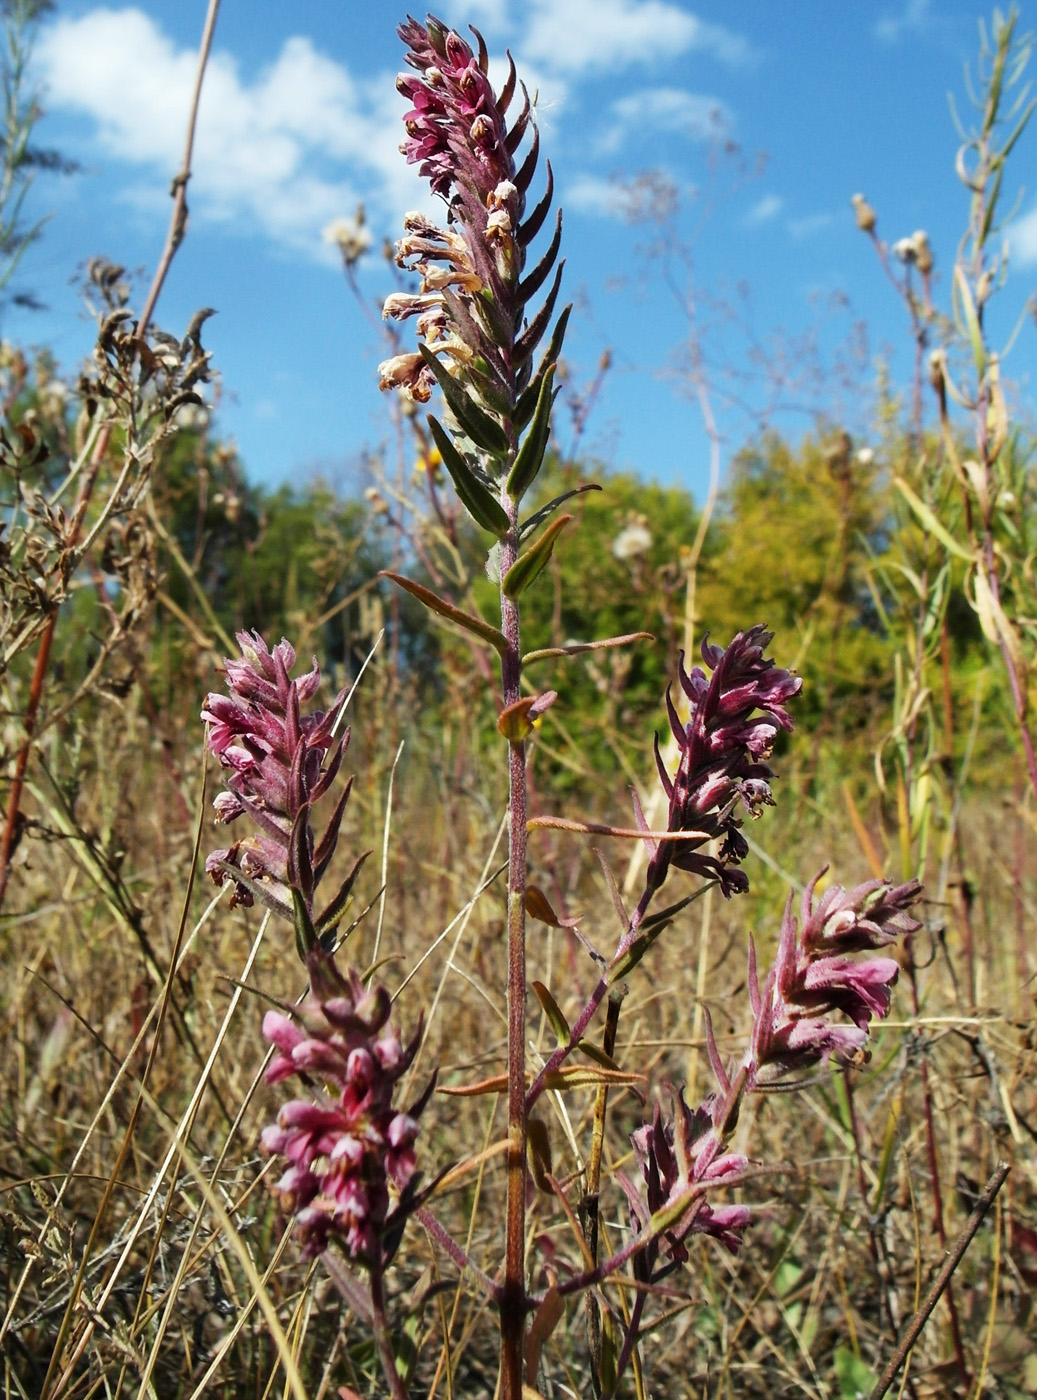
pixel 472 294
pixel 349 1150
pixel 680 1157
pixel 735 717
pixel 814 976
pixel 280 763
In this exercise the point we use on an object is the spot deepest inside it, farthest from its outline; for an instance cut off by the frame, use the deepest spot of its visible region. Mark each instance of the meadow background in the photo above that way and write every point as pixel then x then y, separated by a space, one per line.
pixel 801 475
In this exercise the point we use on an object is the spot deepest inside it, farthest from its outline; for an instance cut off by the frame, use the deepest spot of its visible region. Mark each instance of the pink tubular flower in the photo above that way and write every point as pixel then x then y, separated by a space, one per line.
pixel 814 976
pixel 680 1158
pixel 814 979
pixel 735 717
pixel 350 1152
pixel 474 288
pixel 280 762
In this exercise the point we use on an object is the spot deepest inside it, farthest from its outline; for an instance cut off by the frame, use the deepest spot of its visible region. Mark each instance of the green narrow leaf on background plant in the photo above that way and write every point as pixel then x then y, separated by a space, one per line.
pixel 968 307
pixel 528 567
pixel 484 431
pixel 928 520
pixel 454 614
pixel 477 498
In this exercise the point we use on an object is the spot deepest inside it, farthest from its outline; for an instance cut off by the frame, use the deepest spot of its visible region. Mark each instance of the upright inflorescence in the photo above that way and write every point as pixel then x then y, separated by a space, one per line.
pixel 735 717
pixel 473 291
pixel 814 980
pixel 349 1151
pixel 280 763
pixel 814 976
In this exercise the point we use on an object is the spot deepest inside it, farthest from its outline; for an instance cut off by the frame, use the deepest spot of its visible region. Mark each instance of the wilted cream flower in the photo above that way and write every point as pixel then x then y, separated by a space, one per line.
pixel 351 236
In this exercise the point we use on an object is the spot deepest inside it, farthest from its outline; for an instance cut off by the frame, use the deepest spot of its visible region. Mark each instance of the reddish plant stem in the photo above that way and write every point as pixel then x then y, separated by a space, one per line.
pixel 39 673
pixel 18 782
pixel 513 1301
pixel 382 1337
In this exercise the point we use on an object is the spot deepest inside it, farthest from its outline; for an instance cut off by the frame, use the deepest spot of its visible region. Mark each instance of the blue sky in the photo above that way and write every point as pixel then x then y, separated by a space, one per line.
pixel 300 121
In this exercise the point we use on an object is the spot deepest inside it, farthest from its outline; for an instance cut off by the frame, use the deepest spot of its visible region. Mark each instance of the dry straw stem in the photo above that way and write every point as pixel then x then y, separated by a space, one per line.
pixel 942 1279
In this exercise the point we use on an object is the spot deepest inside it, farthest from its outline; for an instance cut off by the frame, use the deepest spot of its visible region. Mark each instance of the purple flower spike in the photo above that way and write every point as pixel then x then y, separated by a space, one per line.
pixel 350 1155
pixel 813 979
pixel 813 976
pixel 735 717
pixel 681 1157
pixel 279 762
pixel 479 153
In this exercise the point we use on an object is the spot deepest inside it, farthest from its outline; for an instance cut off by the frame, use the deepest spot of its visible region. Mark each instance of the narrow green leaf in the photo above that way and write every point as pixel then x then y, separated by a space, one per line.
pixel 553 1012
pixel 528 566
pixel 526 405
pixel 633 955
pixel 458 616
pixel 927 518
pixel 528 526
pixel 484 431
pixel 968 307
pixel 597 1054
pixel 477 498
pixel 305 933
pixel 530 455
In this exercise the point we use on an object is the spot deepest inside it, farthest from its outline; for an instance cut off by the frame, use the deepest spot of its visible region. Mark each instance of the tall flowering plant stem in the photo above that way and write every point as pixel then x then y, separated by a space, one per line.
pixel 350 1180
pixel 478 339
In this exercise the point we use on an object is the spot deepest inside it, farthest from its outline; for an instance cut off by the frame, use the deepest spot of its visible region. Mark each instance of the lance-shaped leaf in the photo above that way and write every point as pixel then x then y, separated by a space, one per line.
pixel 553 1012
pixel 533 334
pixel 597 1054
pixel 530 457
pixel 529 286
pixel 538 1152
pixel 538 906
pixel 646 936
pixel 528 526
pixel 458 616
pixel 972 326
pixel 336 907
pixel 568 1077
pixel 530 396
pixel 527 567
pixel 305 933
pixel 477 498
pixel 484 431
pixel 928 519
pixel 528 231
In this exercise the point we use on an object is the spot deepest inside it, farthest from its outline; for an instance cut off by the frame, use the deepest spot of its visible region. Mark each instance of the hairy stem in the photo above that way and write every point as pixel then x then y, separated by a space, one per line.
pixel 513 1301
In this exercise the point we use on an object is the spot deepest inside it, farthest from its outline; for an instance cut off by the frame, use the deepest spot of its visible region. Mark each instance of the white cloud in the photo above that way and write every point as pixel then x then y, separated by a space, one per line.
pixel 763 211
pixel 912 18
pixel 580 36
pixel 1022 239
pixel 666 109
pixel 284 152
pixel 810 224
pixel 491 16
pixel 590 194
